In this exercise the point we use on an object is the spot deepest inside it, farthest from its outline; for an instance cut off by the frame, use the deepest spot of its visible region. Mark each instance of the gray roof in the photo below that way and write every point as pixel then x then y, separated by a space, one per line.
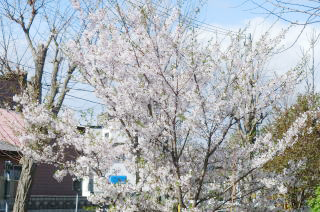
pixel 4 146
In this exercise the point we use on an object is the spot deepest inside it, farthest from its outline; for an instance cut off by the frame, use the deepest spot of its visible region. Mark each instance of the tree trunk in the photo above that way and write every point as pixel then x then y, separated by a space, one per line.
pixel 24 185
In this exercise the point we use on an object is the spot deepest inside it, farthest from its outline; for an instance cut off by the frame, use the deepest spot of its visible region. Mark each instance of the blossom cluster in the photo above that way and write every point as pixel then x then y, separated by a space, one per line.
pixel 174 105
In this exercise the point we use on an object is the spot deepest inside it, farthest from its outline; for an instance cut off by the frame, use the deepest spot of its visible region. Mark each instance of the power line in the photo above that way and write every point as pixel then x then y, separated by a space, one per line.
pixel 76 89
pixel 87 100
pixel 83 99
pixel 19 64
pixel 46 72
pixel 199 24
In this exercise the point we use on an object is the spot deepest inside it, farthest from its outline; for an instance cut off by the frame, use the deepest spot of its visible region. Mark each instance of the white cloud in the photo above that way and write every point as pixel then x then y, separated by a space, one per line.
pixel 293 44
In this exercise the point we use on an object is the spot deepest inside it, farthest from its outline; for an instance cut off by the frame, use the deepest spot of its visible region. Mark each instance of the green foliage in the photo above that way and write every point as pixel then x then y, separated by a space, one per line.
pixel 90 208
pixel 314 202
pixel 307 148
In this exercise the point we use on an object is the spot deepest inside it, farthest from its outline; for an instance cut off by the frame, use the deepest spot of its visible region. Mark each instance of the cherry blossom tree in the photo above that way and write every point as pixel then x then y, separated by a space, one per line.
pixel 176 103
pixel 32 36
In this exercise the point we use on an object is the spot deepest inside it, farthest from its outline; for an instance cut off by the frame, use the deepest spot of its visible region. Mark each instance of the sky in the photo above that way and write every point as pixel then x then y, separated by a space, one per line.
pixel 228 13
pixel 231 15
pixel 221 16
pixel 235 14
pixel 225 14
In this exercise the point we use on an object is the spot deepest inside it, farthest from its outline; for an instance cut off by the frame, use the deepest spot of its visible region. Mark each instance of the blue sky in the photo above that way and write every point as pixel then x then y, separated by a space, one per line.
pixel 235 12
pixel 227 12
pixel 229 15
pixel 222 13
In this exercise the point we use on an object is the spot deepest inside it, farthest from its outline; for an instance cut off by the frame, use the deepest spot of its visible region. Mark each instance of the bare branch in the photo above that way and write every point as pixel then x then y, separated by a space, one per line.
pixel 284 9
pixel 64 89
pixel 54 85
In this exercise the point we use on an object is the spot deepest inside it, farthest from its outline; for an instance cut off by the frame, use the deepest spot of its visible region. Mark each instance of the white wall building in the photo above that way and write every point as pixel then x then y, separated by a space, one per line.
pixel 117 169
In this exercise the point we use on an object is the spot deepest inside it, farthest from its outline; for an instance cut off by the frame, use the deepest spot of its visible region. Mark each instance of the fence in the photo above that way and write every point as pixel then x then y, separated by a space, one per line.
pixel 52 204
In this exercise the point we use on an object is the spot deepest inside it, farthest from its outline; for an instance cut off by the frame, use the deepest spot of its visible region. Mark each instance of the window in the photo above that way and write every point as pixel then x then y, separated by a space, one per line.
pixel 15 172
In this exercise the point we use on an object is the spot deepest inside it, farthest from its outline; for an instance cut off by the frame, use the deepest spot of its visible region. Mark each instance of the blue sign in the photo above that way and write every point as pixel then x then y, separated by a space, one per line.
pixel 117 179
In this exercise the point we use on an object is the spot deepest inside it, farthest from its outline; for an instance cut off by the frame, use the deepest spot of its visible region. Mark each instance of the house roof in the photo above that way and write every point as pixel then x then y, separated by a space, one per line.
pixel 5 146
pixel 10 124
